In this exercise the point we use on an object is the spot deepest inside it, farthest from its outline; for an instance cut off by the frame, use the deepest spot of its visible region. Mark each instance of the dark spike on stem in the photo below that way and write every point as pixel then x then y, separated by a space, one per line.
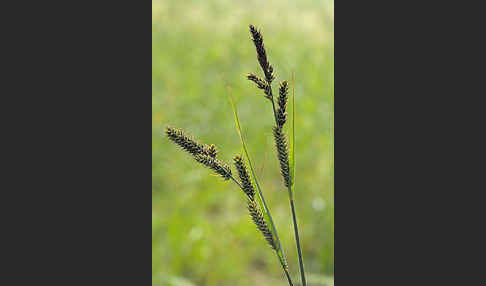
pixel 281 118
pixel 259 220
pixel 283 92
pixel 257 38
pixel 283 155
pixel 188 143
pixel 247 186
pixel 216 165
pixel 261 84
pixel 282 104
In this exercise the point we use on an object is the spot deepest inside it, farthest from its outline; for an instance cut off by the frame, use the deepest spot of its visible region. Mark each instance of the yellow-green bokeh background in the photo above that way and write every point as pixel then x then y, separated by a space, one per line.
pixel 201 232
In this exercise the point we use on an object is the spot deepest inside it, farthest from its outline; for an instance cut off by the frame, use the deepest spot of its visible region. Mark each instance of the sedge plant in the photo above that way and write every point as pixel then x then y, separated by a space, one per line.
pixel 246 179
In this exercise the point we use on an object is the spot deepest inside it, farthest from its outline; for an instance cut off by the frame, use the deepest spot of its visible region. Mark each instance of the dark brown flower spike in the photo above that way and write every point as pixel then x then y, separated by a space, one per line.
pixel 259 220
pixel 261 84
pixel 257 38
pixel 188 143
pixel 282 104
pixel 283 155
pixel 246 184
pixel 216 165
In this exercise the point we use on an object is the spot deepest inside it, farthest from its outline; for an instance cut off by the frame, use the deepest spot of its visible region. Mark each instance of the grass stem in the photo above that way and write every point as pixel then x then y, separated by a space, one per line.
pixel 288 277
pixel 297 239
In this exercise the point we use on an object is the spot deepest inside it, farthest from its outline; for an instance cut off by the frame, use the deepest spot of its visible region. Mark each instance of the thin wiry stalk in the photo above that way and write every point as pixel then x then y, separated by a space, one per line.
pixel 291 189
pixel 297 239
pixel 280 118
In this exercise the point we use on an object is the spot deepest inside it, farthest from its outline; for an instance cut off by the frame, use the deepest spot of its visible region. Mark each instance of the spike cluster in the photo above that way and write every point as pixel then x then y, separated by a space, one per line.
pixel 257 38
pixel 279 112
pixel 216 165
pixel 282 103
pixel 283 155
pixel 259 220
pixel 246 184
pixel 189 144
pixel 206 155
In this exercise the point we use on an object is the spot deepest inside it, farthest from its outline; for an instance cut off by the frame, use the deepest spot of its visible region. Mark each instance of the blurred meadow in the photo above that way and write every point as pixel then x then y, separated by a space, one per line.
pixel 201 231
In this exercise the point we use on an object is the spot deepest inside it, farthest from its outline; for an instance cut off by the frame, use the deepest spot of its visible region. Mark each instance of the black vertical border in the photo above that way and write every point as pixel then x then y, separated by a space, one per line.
pixel 406 126
pixel 84 142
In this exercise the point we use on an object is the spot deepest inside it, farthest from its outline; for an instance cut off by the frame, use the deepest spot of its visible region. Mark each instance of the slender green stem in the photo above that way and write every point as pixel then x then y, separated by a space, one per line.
pixel 297 239
pixel 288 277
pixel 273 102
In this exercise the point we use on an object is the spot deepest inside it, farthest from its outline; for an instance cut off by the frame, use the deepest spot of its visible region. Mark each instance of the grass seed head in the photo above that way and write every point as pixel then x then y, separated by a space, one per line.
pixel 283 155
pixel 282 104
pixel 257 39
pixel 259 220
pixel 246 184
pixel 188 143
pixel 216 165
pixel 261 84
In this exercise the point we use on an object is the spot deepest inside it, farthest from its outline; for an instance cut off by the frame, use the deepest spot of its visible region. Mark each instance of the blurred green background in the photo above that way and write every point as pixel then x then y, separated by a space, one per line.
pixel 201 231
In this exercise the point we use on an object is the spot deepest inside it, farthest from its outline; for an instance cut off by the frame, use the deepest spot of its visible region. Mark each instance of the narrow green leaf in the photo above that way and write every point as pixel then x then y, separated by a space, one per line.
pixel 291 188
pixel 254 178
